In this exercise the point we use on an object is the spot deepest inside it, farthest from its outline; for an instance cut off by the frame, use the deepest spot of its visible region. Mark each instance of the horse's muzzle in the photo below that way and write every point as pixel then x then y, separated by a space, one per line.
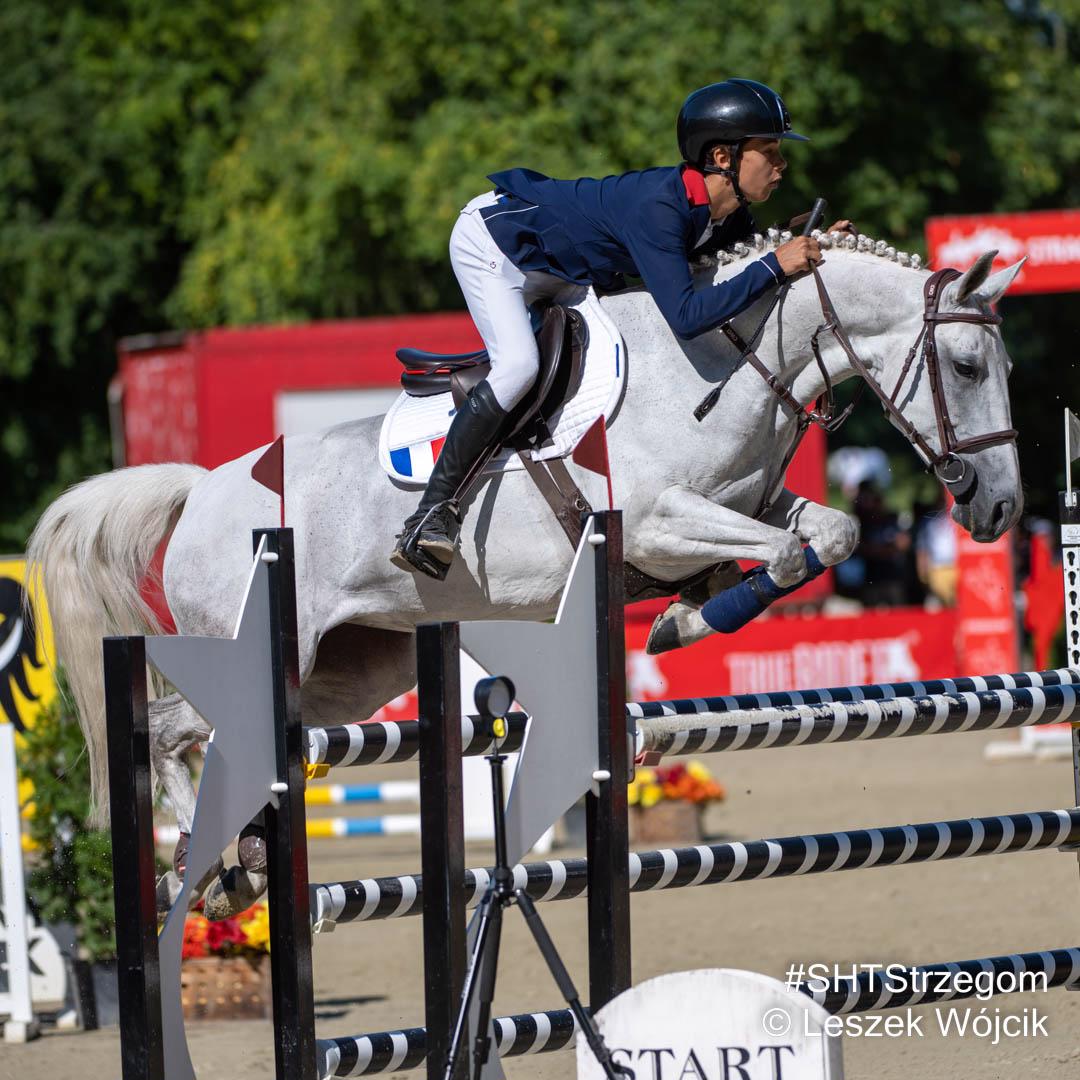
pixel 959 476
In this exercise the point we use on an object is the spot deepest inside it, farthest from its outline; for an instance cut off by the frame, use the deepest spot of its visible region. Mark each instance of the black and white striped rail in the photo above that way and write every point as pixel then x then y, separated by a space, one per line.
pixel 806 725
pixel 714 864
pixel 754 721
pixel 387 1051
pixel 397 740
pixel 534 1033
pixel 872 692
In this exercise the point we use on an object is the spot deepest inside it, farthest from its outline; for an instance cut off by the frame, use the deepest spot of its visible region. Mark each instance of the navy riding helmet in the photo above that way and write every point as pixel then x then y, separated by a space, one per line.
pixel 729 112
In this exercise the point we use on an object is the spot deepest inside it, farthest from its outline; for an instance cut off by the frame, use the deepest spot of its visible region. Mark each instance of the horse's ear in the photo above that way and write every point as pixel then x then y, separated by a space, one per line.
pixel 974 276
pixel 995 286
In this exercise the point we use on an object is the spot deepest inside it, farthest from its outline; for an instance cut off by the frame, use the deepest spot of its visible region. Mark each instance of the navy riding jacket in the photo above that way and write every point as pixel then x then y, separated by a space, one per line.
pixel 647 223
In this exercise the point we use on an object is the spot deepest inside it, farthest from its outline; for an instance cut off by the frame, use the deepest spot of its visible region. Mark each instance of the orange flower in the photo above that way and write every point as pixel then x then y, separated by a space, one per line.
pixel 691 782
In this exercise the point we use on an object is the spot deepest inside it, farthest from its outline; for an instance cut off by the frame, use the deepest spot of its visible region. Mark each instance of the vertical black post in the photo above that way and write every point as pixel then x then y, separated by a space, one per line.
pixel 1070 570
pixel 606 814
pixel 442 835
pixel 286 830
pixel 137 972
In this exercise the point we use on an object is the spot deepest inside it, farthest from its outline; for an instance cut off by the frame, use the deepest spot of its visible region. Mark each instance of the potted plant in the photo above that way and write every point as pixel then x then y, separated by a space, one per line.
pixel 667 803
pixel 225 974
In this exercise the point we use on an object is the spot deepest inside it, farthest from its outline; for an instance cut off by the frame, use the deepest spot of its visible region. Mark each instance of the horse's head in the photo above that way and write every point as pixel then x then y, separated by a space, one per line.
pixel 956 397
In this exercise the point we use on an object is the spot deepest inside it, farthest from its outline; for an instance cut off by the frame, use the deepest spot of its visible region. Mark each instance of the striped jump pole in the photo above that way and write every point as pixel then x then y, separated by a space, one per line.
pixel 753 721
pixel 332 828
pixel 1069 676
pixel 714 864
pixel 391 791
pixel 388 1051
pixel 384 741
pixel 534 1033
pixel 806 725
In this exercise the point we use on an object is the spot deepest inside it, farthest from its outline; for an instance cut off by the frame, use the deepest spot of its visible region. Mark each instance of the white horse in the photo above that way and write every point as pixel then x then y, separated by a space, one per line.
pixel 690 491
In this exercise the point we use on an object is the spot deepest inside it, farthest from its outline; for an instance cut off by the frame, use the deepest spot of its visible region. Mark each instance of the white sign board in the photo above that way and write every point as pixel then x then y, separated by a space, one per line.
pixel 715 1024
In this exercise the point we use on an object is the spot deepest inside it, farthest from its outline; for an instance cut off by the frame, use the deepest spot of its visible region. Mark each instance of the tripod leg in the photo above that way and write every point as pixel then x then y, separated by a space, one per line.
pixel 566 986
pixel 484 918
pixel 489 959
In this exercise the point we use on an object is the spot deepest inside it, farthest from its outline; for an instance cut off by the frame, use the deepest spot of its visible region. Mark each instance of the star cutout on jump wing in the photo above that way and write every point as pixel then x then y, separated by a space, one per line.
pixel 553 668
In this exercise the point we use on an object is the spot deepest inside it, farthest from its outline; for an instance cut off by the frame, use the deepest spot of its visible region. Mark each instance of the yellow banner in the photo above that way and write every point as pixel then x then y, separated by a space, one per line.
pixel 27 652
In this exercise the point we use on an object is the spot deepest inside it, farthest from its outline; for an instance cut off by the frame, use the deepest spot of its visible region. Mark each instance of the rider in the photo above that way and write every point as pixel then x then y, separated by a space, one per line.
pixel 531 235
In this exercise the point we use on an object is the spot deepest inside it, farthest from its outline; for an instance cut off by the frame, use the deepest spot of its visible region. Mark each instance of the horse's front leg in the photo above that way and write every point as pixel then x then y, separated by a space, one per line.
pixel 682 530
pixel 833 534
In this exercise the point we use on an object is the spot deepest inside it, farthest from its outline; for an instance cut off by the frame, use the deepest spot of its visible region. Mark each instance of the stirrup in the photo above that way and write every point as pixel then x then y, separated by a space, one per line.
pixel 409 555
pixel 414 559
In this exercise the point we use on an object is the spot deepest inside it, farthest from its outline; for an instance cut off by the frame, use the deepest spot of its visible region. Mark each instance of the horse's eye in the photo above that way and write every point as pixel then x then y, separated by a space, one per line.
pixel 966 371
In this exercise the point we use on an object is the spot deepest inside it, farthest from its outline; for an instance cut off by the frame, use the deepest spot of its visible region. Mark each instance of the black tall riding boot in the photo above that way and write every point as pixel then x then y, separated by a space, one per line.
pixel 426 541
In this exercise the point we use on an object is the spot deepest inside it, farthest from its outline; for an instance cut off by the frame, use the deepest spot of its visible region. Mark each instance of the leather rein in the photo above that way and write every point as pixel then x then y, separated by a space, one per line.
pixel 953 471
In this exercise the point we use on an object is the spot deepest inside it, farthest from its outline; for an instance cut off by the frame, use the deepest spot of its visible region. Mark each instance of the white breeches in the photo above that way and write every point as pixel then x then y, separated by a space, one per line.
pixel 498 295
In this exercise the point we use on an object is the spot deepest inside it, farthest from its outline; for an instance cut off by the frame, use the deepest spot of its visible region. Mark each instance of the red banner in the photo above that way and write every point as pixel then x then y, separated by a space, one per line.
pixel 1048 239
pixel 792 653
pixel 986 615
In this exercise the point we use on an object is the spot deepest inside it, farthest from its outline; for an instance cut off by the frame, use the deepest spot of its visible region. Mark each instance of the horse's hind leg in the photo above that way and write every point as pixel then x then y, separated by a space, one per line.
pixel 357 670
pixel 174 728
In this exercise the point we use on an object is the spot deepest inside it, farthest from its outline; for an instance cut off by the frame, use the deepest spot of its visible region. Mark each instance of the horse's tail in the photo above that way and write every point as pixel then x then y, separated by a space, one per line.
pixel 93 548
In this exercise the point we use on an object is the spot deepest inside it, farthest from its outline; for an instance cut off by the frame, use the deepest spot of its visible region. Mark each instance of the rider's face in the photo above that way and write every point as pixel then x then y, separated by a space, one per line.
pixel 761 166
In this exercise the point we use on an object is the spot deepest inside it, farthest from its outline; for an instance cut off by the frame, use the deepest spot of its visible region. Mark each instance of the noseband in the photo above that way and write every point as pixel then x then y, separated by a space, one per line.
pixel 953 471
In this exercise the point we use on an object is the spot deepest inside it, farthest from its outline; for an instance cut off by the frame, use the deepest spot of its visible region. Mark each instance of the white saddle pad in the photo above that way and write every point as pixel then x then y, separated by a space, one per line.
pixel 414 429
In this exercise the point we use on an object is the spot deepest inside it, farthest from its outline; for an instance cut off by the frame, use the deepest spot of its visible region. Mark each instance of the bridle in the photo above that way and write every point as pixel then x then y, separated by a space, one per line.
pixel 957 474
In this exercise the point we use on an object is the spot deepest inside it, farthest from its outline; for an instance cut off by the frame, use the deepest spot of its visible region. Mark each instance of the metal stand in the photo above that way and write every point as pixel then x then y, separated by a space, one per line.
pixel 501 894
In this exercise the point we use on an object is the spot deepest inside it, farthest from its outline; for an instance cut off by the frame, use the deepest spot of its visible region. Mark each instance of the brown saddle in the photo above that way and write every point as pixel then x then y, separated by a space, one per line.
pixel 561 340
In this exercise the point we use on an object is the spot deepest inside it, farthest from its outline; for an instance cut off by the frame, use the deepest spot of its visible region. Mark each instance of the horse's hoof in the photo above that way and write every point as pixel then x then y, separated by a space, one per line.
pixel 663 637
pixel 251 847
pixel 680 625
pixel 232 893
pixel 180 853
pixel 166 891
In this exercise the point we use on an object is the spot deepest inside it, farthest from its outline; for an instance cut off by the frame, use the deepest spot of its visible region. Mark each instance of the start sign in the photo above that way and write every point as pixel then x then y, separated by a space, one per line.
pixel 715 1024
pixel 1048 239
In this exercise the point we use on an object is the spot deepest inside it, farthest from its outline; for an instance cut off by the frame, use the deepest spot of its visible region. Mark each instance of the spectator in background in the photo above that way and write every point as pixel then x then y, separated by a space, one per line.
pixel 884 548
pixel 935 554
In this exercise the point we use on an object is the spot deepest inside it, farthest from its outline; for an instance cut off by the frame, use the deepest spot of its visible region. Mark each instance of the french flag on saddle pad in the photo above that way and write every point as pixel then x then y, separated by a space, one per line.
pixel 418 460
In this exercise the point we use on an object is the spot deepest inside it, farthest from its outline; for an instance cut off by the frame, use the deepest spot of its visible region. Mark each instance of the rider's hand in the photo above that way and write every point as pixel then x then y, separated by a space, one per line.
pixel 798 255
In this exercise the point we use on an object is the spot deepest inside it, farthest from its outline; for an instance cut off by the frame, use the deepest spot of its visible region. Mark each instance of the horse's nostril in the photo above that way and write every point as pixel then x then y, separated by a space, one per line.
pixel 1002 514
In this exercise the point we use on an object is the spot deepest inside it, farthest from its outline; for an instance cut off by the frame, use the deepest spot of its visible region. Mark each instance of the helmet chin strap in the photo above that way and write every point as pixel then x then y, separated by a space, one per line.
pixel 732 173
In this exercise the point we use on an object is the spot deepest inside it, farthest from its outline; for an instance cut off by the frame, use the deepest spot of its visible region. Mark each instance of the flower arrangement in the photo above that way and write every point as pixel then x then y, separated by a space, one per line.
pixel 245 934
pixel 691 783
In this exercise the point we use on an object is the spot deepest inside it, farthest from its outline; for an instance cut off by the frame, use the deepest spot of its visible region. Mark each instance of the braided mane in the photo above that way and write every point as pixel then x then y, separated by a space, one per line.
pixel 769 241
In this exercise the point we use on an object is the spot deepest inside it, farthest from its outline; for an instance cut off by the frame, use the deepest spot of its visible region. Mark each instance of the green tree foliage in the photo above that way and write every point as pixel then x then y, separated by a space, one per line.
pixel 110 115
pixel 259 160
